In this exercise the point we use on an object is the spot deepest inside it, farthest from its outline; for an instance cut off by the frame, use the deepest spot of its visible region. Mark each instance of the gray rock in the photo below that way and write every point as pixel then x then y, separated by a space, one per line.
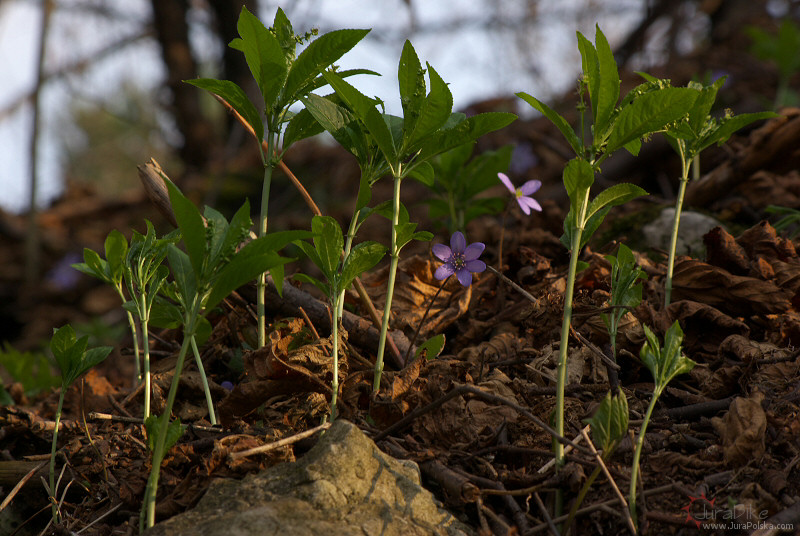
pixel 693 226
pixel 343 486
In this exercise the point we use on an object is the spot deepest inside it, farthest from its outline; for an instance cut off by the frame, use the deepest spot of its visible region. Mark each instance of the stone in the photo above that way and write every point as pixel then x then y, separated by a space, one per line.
pixel 343 486
pixel 693 226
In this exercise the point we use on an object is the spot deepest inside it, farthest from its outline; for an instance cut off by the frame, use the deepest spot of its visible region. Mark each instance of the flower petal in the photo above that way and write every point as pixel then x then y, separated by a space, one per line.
pixel 464 277
pixel 473 251
pixel 530 187
pixel 530 202
pixel 442 252
pixel 475 266
pixel 458 242
pixel 505 180
pixel 444 271
pixel 525 208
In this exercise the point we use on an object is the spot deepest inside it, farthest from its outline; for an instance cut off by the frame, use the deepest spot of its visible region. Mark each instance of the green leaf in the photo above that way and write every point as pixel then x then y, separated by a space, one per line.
pixel 71 355
pixel 236 97
pixel 329 243
pixel 614 196
pixel 610 423
pixel 116 247
pixel 666 362
pixel 435 112
pixel 411 79
pixel 362 257
pixel 94 266
pixel 317 56
pixel 423 172
pixel 190 222
pixel 556 119
pixel 256 257
pixel 578 177
pixel 431 348
pixel 264 55
pixel 303 125
pixel 466 131
pixel 728 126
pixel 650 112
pixel 607 87
pixel 152 426
pixel 182 272
pixel 323 287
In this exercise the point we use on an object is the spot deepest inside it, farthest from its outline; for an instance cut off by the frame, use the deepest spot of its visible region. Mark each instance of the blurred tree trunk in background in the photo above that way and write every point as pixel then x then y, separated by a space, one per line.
pixel 172 33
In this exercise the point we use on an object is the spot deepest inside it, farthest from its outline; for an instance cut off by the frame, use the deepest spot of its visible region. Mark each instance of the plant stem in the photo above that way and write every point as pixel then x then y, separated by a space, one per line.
pixel 163 424
pixel 638 454
pixel 395 256
pixel 425 316
pixel 204 380
pixel 335 335
pixel 53 449
pixel 579 499
pixel 262 231
pixel 144 318
pixel 136 354
pixel 673 244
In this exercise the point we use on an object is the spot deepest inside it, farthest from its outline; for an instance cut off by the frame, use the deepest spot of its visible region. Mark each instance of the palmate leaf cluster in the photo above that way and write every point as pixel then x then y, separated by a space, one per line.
pixel 283 76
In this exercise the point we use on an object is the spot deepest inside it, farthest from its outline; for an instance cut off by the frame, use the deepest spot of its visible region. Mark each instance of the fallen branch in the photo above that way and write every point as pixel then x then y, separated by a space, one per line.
pixel 233 456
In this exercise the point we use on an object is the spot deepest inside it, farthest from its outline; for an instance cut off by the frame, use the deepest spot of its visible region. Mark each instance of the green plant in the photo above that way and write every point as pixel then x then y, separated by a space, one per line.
pixel 212 266
pixel 406 145
pixel 689 136
pixel 609 427
pixel 283 78
pixel 339 270
pixel 614 125
pixel 664 363
pixel 781 49
pixel 459 180
pixel 73 359
pixel 30 369
pixel 625 292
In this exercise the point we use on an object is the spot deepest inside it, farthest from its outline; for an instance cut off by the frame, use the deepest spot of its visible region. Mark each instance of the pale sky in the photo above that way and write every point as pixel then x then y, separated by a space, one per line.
pixel 476 64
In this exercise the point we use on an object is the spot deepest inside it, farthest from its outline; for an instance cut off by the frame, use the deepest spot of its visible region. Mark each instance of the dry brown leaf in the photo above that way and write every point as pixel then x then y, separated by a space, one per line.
pixel 733 294
pixel 742 430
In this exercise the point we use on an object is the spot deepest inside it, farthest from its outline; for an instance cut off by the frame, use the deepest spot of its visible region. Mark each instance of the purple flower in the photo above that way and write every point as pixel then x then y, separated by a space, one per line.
pixel 523 193
pixel 460 259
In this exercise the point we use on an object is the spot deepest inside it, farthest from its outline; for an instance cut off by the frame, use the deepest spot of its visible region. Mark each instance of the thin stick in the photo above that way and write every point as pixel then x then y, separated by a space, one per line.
pixel 611 481
pixel 278 444
pixel 547 518
pixel 425 317
pixel 577 440
pixel 19 485
pixel 516 287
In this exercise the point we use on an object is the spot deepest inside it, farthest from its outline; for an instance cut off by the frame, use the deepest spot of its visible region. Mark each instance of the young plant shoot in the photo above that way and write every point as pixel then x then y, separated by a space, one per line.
pixel 626 294
pixel 73 359
pixel 283 78
pixel 212 267
pixel 664 363
pixel 339 270
pixel 689 137
pixel 614 125
pixel 407 144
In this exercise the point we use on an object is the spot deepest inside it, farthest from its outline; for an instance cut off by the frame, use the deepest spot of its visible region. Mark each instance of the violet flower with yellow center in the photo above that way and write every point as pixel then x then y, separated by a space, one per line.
pixel 459 259
pixel 523 193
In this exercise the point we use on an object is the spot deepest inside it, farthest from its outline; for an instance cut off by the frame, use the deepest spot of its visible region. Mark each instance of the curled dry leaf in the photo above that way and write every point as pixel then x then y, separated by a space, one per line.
pixel 742 430
pixel 732 294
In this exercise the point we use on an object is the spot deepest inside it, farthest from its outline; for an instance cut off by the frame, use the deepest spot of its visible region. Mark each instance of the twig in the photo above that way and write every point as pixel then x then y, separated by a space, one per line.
pixel 278 444
pixel 19 485
pixel 96 416
pixel 547 518
pixel 597 351
pixel 611 481
pixel 577 440
pixel 516 287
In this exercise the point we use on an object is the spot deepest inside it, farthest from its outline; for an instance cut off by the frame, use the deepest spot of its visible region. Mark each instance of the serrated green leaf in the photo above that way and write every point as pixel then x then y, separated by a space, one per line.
pixel 556 119
pixel 362 257
pixel 607 87
pixel 94 266
pixel 329 243
pixel 152 426
pixel 182 272
pixel 667 362
pixel 610 423
pixel 317 56
pixel 264 55
pixel 116 248
pixel 236 97
pixel 323 287
pixel 728 126
pixel 435 112
pixel 466 131
pixel 411 80
pixel 650 112
pixel 578 177
pixel 303 125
